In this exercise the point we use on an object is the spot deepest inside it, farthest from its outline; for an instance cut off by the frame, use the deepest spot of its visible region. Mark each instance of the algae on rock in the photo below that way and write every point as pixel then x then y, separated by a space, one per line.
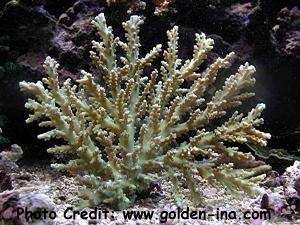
pixel 126 127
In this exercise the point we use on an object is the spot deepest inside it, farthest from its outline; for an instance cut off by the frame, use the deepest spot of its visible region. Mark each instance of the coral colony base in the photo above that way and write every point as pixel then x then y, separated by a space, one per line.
pixel 127 129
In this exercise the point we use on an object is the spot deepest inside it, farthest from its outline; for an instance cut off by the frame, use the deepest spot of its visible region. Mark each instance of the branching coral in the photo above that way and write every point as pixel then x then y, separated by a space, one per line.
pixel 132 130
pixel 163 6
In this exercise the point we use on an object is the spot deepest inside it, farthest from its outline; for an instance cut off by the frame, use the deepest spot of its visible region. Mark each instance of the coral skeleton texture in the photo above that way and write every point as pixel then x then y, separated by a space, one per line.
pixel 127 128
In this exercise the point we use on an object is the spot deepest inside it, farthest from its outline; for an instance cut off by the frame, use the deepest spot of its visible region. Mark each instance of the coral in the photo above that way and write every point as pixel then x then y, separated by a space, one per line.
pixel 128 128
pixel 163 6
